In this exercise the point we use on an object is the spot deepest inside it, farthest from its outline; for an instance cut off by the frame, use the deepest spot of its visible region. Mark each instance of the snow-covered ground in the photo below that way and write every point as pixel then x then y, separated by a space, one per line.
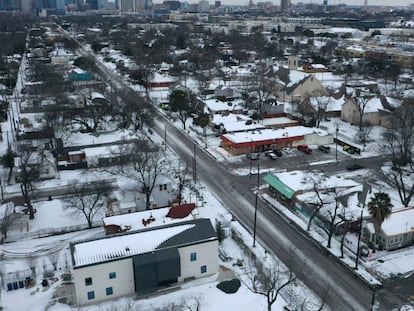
pixel 52 214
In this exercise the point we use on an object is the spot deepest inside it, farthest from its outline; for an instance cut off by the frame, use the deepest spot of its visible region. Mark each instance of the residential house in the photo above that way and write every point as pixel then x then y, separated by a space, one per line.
pixel 397 230
pixel 161 80
pixel 143 262
pixel 77 74
pixel 377 110
pixel 297 90
pixel 214 106
pixel 131 197
pixel 231 123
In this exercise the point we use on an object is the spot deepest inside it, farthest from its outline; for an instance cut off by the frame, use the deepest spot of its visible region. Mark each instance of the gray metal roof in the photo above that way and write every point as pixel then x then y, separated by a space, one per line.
pixel 203 230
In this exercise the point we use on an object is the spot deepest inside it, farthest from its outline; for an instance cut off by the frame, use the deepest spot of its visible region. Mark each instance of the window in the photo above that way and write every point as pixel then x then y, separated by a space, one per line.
pixel 193 256
pixel 165 186
pixel 203 269
pixel 160 187
pixel 88 281
pixel 91 295
pixel 112 275
pixel 109 291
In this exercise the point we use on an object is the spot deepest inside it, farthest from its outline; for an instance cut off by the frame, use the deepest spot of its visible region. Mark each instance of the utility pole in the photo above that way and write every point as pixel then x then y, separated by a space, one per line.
pixel 165 137
pixel 336 143
pixel 256 201
pixel 195 164
pixel 359 239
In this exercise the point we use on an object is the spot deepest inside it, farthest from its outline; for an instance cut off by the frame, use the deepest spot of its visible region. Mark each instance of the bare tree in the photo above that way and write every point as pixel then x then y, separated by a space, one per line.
pixel 316 201
pixel 29 172
pixel 263 88
pixel 272 280
pixel 192 303
pixel 330 214
pixel 141 162
pixel 399 143
pixel 360 101
pixel 86 201
pixel 180 173
pixel 203 81
pixel 180 104
pixel 364 132
pixel 320 104
pixel 143 76
pixel 7 218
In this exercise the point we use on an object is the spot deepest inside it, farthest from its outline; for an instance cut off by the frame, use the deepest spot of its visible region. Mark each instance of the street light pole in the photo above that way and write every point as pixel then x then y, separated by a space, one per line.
pixel 256 201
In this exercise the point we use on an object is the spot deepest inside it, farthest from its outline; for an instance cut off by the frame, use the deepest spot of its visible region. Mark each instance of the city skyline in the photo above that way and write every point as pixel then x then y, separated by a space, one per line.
pixel 395 3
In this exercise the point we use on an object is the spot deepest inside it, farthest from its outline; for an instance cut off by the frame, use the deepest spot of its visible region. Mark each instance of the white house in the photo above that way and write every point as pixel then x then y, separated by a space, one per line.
pixel 143 262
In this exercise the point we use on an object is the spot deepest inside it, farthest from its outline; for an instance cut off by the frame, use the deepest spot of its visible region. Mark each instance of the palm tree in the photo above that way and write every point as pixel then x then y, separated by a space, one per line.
pixel 380 208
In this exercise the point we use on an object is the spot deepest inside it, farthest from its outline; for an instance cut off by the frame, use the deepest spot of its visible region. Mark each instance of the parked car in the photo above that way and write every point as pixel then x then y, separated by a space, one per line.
pixel 270 154
pixel 252 156
pixel 348 149
pixel 354 167
pixel 305 149
pixel 324 148
pixel 278 153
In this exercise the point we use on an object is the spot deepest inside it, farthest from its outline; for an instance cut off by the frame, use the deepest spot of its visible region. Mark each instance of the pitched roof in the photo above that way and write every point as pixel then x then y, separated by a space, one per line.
pixel 180 211
pixel 121 246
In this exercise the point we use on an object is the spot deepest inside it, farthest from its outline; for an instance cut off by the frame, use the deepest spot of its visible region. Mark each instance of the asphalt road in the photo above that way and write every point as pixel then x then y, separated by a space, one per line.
pixel 321 273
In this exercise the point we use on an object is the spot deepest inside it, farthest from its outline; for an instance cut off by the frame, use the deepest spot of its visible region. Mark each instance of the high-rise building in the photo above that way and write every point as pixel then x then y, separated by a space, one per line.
pixel 284 5
pixel 9 5
pixel 131 5
pixel 203 6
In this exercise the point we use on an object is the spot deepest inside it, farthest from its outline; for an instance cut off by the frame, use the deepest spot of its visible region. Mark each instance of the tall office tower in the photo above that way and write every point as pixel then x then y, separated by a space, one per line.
pixel 284 5
pixel 203 6
pixel 131 5
pixel 9 5
pixel 325 3
pixel 25 6
pixel 217 4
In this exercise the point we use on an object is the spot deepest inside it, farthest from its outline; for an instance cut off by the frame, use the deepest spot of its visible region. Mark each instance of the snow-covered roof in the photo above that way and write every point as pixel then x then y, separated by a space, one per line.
pixel 232 117
pixel 160 78
pixel 399 222
pixel 97 95
pixel 78 71
pixel 332 104
pixel 267 134
pixel 393 102
pixel 134 220
pixel 242 126
pixel 96 251
pixel 216 105
pixel 302 181
pixel 276 121
pixel 374 105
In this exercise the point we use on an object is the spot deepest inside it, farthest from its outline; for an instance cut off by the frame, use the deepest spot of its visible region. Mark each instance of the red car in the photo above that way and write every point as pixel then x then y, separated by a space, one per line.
pixel 305 149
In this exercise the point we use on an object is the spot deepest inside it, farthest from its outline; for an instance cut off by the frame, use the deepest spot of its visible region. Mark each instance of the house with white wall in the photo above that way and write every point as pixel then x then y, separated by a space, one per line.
pixel 144 261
